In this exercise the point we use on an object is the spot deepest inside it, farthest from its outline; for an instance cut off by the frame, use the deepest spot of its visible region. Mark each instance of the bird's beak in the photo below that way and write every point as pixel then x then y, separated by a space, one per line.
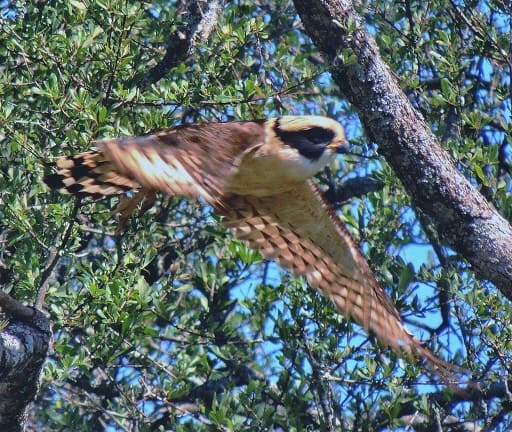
pixel 340 146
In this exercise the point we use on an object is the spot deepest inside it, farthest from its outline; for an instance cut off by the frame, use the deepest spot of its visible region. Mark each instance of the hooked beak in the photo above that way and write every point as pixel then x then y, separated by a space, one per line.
pixel 340 147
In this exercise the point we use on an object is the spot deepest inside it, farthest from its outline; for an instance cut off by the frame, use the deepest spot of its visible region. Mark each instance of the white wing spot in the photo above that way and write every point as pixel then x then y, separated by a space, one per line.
pixel 315 274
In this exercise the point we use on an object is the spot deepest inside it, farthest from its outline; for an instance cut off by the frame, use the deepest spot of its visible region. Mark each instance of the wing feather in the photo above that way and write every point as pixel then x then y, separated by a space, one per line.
pixel 302 233
pixel 185 160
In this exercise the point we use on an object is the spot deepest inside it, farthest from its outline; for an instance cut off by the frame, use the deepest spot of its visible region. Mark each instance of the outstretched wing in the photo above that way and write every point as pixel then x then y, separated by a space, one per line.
pixel 301 232
pixel 194 160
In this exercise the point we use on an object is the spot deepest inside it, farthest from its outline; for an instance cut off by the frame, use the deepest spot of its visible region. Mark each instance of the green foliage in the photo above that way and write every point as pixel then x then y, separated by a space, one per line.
pixel 177 326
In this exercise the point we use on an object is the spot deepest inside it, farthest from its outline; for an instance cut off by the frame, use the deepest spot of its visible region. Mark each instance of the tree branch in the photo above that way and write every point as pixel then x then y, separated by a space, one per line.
pixel 351 188
pixel 23 346
pixel 462 216
pixel 199 24
pixel 446 401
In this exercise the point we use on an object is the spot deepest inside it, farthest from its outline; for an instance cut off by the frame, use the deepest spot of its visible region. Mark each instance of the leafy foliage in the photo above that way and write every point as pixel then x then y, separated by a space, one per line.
pixel 177 326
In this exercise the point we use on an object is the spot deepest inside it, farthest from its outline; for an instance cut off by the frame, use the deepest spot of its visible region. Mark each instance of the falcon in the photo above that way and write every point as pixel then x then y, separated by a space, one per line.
pixel 257 175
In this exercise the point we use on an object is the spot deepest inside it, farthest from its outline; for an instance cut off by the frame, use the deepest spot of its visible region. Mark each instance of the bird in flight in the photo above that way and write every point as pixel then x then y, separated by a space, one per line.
pixel 257 175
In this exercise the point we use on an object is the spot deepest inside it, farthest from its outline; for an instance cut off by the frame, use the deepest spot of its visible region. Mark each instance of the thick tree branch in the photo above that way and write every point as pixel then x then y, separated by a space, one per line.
pixel 23 346
pixel 200 19
pixel 351 188
pixel 462 216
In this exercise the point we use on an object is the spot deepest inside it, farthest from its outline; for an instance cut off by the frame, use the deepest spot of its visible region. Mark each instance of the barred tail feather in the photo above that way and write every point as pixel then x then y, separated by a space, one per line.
pixel 88 174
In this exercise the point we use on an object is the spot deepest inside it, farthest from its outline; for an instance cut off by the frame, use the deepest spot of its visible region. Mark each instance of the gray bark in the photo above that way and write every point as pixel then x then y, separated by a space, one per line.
pixel 24 342
pixel 199 21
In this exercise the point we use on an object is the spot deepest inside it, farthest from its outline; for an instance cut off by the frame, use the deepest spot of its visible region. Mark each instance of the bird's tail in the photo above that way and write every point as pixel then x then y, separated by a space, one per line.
pixel 88 174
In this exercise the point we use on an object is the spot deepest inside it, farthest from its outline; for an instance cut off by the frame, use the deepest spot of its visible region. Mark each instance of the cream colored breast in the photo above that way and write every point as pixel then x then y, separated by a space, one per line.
pixel 264 173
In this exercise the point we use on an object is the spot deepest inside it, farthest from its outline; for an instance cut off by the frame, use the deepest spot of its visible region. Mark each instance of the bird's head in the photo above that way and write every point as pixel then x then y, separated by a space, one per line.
pixel 307 143
pixel 293 149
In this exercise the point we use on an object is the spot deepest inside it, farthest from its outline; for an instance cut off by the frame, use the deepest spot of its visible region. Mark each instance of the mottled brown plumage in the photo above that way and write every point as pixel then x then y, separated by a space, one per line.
pixel 256 175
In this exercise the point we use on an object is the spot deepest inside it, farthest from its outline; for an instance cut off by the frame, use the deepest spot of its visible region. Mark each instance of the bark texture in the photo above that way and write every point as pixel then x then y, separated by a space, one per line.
pixel 24 343
pixel 199 21
pixel 463 218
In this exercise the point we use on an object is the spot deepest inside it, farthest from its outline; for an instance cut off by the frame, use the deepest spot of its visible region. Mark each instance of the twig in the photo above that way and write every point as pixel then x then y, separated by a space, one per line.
pixel 53 258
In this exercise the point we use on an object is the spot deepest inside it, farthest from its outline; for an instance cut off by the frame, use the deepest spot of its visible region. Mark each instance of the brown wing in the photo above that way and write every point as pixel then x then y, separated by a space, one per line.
pixel 301 232
pixel 194 160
